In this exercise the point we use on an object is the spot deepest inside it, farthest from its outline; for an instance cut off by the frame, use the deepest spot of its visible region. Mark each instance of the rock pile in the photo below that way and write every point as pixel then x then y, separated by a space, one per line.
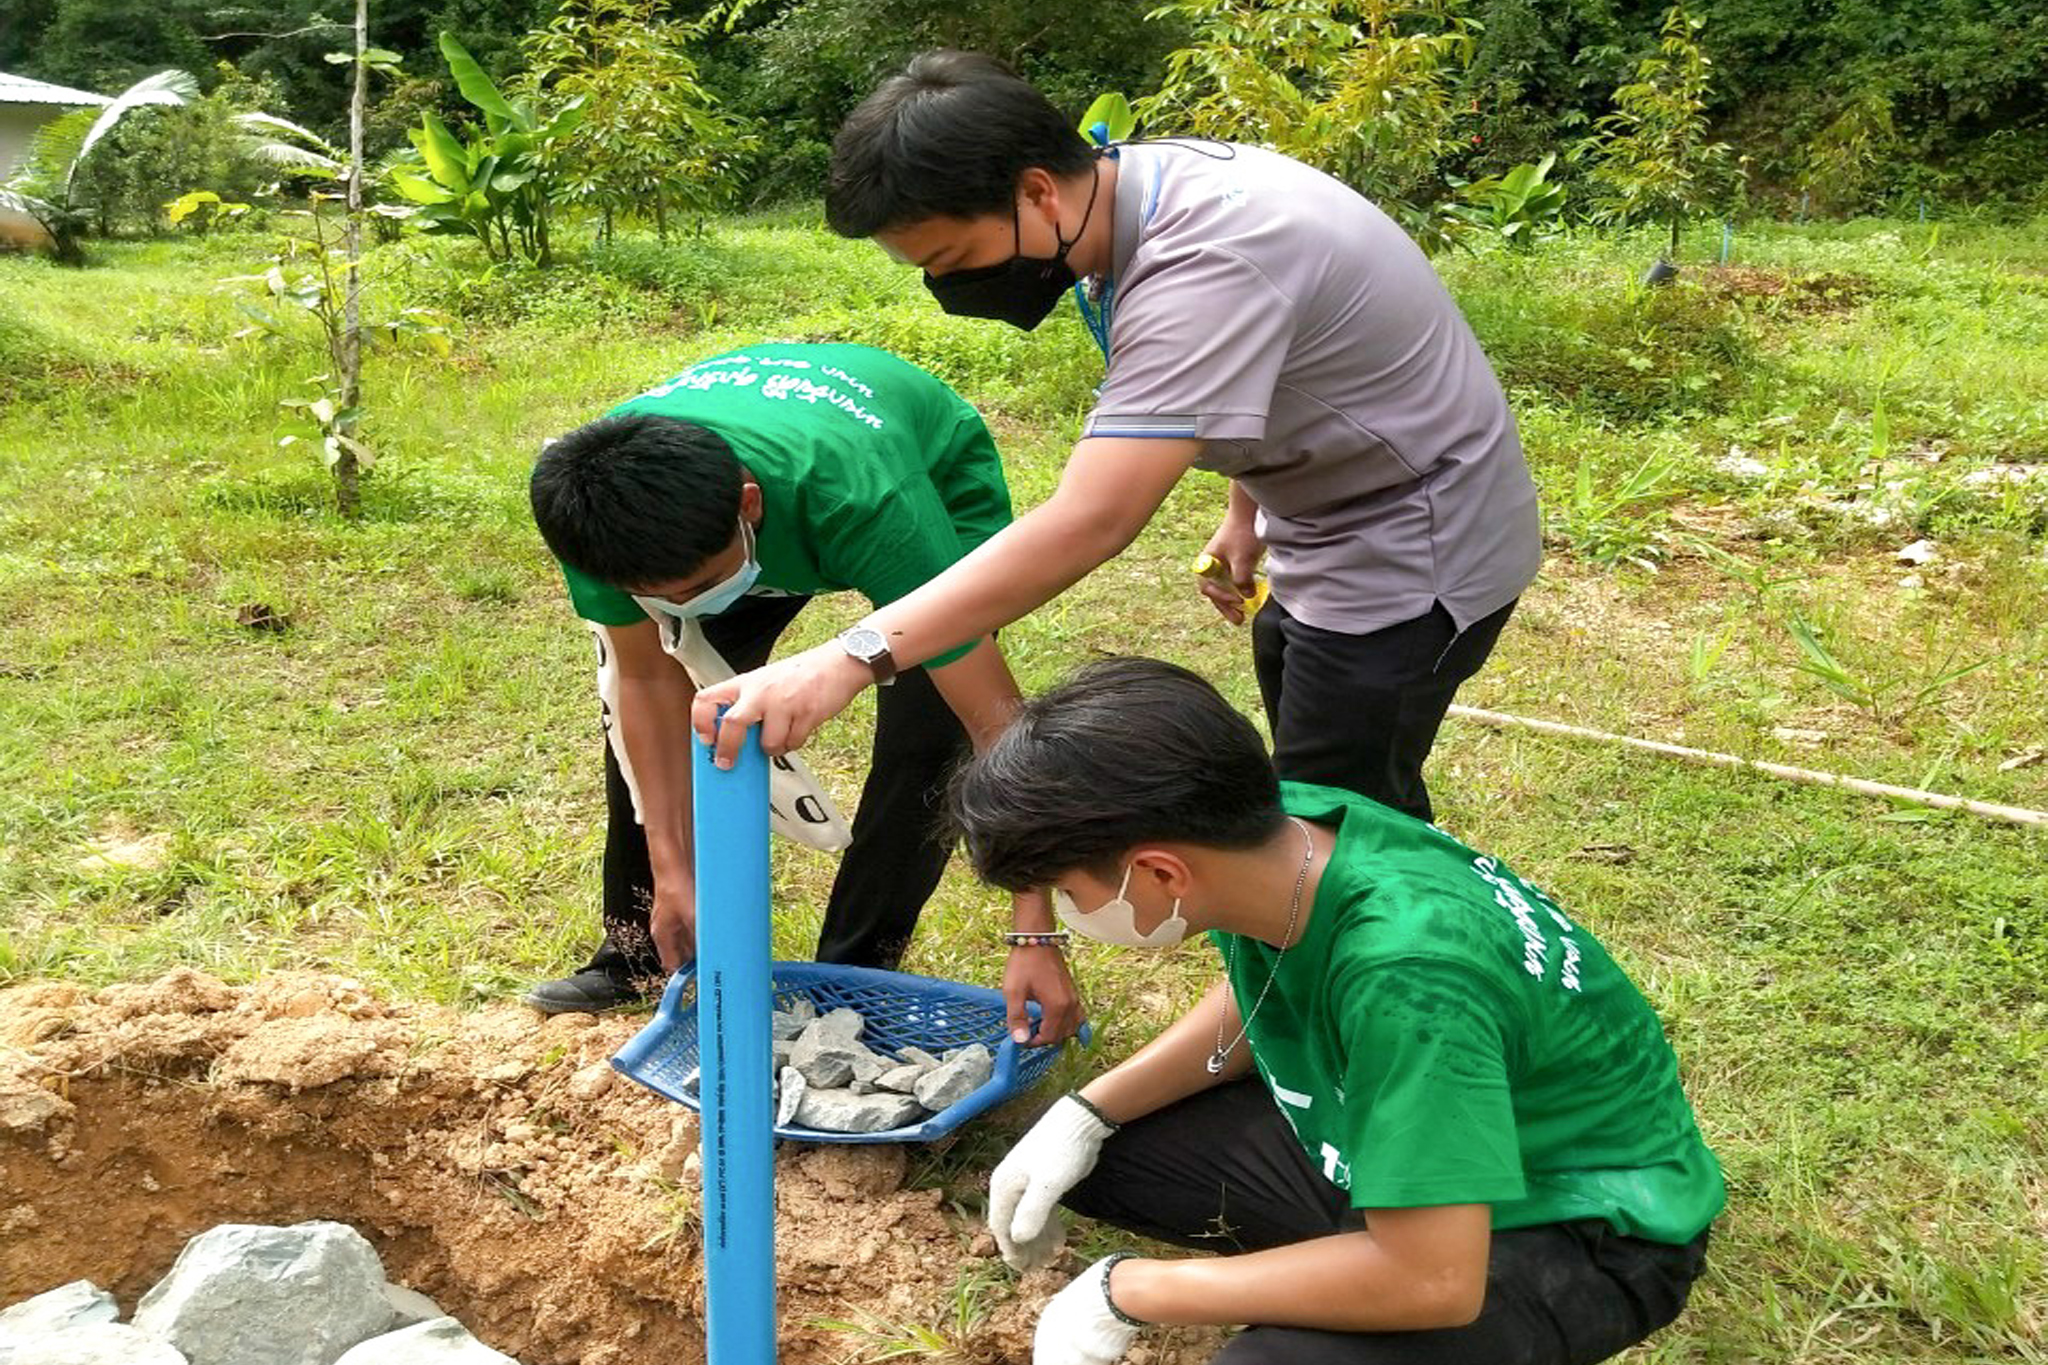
pixel 828 1080
pixel 241 1294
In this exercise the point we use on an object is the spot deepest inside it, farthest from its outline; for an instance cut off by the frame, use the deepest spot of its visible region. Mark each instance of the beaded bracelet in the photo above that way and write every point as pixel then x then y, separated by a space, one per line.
pixel 1119 1314
pixel 1057 938
pixel 1105 1120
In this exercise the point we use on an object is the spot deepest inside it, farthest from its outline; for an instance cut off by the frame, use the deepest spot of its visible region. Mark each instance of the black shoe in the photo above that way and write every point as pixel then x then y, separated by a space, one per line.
pixel 594 990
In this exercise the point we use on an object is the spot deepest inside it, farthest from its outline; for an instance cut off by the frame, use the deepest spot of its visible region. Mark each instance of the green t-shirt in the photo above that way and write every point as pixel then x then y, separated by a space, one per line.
pixel 1443 1034
pixel 874 475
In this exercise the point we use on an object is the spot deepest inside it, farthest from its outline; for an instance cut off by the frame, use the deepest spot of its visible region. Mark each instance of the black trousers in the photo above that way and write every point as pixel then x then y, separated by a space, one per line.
pixel 897 855
pixel 1361 711
pixel 1222 1171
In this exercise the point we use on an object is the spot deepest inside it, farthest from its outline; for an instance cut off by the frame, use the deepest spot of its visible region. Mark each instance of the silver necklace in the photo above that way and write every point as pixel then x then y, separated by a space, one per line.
pixel 1221 1055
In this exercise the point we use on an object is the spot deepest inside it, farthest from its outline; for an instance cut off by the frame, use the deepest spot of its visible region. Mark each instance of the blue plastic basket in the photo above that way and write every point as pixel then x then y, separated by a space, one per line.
pixel 901 1010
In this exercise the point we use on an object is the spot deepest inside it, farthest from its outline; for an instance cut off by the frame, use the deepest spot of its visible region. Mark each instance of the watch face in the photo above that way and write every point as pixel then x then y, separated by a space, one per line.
pixel 864 642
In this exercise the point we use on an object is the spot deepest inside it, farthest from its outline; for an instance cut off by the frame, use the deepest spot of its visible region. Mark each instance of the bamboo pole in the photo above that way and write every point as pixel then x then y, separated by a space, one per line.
pixel 1990 810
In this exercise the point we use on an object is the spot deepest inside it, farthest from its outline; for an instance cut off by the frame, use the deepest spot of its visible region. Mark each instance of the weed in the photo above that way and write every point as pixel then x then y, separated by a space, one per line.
pixel 1621 523
pixel 948 1340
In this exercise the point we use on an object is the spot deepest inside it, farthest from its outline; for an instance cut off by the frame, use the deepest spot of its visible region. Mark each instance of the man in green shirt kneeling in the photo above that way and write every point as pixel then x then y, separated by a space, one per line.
pixel 1424 1115
pixel 707 512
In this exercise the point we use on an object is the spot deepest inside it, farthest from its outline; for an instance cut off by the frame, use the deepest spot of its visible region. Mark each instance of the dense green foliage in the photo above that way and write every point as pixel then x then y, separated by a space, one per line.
pixel 1365 91
pixel 1856 103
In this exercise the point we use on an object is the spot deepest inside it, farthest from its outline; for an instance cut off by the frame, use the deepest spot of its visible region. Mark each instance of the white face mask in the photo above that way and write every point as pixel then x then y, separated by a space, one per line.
pixel 1116 921
pixel 718 596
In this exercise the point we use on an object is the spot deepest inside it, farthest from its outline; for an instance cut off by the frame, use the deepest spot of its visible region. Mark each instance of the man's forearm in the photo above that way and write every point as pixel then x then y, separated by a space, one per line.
pixel 653 728
pixel 1007 577
pixel 978 689
pixel 1107 493
pixel 1347 1282
pixel 1031 913
pixel 1173 1065
pixel 1241 507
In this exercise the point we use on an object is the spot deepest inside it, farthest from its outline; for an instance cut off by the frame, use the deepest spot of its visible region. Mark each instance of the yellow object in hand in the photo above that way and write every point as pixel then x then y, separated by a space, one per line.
pixel 1216 571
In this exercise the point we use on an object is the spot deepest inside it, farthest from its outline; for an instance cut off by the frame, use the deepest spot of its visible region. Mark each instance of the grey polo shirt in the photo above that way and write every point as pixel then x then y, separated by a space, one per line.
pixel 1279 317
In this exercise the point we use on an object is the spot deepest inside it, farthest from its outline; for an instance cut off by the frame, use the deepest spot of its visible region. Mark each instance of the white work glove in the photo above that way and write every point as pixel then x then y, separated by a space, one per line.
pixel 1078 1326
pixel 1053 1157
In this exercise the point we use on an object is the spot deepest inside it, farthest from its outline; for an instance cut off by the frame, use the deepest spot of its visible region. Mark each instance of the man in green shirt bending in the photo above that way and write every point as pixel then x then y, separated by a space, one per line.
pixel 721 501
pixel 1424 1115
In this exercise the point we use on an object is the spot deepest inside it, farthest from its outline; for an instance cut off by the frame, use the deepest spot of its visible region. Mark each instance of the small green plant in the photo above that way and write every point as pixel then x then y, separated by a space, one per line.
pixel 1652 153
pixel 949 1341
pixel 1705 654
pixel 650 139
pixel 310 275
pixel 1518 209
pixel 1890 699
pixel 500 185
pixel 1621 523
pixel 204 210
pixel 1842 161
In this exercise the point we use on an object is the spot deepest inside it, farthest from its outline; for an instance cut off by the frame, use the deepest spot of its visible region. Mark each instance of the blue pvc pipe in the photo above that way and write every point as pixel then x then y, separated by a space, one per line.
pixel 730 811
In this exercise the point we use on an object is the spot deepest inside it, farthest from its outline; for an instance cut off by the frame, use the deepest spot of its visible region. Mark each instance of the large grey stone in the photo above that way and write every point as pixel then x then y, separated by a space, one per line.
pixel 830 1054
pixel 242 1294
pixel 438 1341
pixel 68 1305
pixel 803 1009
pixel 917 1056
pixel 783 1025
pixel 793 1088
pixel 953 1081
pixel 842 1111
pixel 93 1343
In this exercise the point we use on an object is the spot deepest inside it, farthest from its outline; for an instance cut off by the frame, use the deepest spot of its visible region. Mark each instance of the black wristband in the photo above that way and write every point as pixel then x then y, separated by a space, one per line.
pixel 1100 1117
pixel 1119 1314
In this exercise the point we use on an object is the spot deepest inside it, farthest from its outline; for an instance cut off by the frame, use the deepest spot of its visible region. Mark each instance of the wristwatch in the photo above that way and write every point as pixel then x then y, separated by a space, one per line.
pixel 865 643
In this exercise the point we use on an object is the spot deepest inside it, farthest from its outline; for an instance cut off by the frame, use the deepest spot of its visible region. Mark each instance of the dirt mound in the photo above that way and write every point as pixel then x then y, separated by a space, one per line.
pixel 1831 291
pixel 493 1158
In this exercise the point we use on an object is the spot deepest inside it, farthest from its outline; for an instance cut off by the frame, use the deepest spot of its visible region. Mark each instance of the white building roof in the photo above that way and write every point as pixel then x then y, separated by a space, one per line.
pixel 22 90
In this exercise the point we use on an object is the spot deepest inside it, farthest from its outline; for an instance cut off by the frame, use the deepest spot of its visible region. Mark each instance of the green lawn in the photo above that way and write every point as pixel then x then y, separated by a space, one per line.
pixel 404 784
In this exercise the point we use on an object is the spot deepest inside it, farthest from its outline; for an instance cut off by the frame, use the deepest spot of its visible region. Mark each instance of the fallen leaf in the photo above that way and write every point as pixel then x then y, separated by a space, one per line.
pixel 2025 760
pixel 1919 552
pixel 1605 853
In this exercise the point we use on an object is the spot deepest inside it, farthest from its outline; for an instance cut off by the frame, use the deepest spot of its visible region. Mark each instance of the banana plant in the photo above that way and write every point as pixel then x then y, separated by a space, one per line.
pixel 498 185
pixel 42 188
pixel 1520 208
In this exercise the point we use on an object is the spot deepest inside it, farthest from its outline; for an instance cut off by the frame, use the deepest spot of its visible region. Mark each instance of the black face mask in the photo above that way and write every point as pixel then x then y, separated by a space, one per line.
pixel 1021 291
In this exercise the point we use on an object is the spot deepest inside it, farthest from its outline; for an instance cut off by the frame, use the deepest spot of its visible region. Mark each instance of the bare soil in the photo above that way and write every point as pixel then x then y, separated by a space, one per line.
pixel 493 1158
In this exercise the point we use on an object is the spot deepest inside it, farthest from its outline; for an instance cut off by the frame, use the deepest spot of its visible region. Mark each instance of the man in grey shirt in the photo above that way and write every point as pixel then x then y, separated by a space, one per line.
pixel 1260 320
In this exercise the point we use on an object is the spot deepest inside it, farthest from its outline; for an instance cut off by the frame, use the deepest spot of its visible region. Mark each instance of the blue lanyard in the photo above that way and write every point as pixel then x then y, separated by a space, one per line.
pixel 1096 315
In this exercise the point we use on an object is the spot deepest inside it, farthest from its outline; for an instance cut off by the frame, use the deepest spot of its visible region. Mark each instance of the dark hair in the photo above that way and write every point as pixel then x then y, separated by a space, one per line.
pixel 1124 752
pixel 949 136
pixel 636 499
